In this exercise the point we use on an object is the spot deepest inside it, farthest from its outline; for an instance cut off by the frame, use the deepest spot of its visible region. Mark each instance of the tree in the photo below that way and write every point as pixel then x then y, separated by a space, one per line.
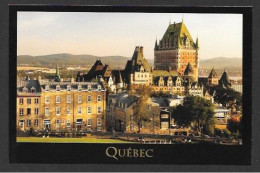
pixel 140 113
pixel 195 111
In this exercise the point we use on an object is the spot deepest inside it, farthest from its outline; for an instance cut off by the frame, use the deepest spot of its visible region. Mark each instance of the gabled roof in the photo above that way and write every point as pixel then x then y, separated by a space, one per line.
pixel 29 84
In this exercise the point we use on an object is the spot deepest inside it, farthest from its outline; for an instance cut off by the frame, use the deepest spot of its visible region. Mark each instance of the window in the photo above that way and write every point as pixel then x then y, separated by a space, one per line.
pixel 79 110
pixel 33 90
pixel 131 126
pixel 28 111
pixel 20 111
pixel 57 123
pixel 68 98
pixel 36 122
pixel 47 88
pixel 99 110
pixel 79 99
pixel 79 87
pixel 47 111
pixel 89 122
pixel 89 87
pixel 99 98
pixel 36 111
pixel 28 123
pixel 20 101
pixel 47 99
pixel 68 110
pixel 36 100
pixel 89 98
pixel 68 123
pixel 57 88
pixel 68 87
pixel 57 99
pixel 57 110
pixel 99 87
pixel 28 100
pixel 89 109
pixel 98 121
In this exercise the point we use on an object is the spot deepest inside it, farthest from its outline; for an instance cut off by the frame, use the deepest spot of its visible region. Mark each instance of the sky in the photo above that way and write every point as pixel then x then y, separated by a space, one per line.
pixel 109 34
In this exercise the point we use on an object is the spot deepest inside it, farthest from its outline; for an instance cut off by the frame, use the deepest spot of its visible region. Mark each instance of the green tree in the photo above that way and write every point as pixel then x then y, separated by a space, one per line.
pixel 197 112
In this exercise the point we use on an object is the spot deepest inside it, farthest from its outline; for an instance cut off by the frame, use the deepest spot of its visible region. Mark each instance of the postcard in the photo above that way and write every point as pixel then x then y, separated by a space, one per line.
pixel 160 85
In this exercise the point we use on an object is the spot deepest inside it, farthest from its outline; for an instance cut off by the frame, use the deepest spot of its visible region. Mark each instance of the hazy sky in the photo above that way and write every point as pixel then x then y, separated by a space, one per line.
pixel 105 34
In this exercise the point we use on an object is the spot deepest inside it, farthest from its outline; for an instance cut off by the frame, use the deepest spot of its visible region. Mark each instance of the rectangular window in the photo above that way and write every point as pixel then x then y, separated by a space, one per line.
pixel 57 99
pixel 79 110
pixel 68 123
pixel 28 123
pixel 68 98
pixel 89 98
pixel 79 99
pixel 28 111
pixel 36 111
pixel 20 101
pixel 99 110
pixel 57 123
pixel 57 110
pixel 99 98
pixel 68 110
pixel 28 100
pixel 36 100
pixel 89 109
pixel 47 99
pixel 47 111
pixel 57 88
pixel 20 111
pixel 36 122
pixel 89 122
pixel 98 121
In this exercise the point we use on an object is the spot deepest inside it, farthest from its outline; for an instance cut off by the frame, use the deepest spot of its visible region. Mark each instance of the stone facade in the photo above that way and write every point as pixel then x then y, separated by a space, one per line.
pixel 62 106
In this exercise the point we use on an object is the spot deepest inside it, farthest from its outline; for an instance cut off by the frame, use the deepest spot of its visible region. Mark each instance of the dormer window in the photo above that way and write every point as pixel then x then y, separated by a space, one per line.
pixel 89 87
pixel 25 90
pixel 79 87
pixel 99 87
pixel 47 88
pixel 57 88
pixel 68 87
pixel 33 90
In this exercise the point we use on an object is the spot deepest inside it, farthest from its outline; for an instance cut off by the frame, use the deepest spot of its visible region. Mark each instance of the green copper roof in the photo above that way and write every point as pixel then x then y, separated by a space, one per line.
pixel 164 73
pixel 176 35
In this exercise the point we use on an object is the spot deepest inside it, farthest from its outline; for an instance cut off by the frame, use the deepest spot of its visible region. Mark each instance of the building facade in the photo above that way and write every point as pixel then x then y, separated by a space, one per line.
pixel 62 106
pixel 176 49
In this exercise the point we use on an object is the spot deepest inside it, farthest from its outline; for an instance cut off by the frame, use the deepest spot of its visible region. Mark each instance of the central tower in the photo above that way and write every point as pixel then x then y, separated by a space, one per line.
pixel 176 50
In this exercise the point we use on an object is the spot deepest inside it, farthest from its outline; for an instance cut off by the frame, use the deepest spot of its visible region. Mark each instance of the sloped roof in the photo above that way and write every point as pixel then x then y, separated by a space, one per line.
pixel 164 73
pixel 213 74
pixel 188 70
pixel 176 35
pixel 29 84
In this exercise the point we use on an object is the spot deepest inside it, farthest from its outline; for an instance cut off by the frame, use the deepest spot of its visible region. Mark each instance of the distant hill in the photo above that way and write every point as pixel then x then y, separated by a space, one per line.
pixel 113 61
pixel 69 59
pixel 221 62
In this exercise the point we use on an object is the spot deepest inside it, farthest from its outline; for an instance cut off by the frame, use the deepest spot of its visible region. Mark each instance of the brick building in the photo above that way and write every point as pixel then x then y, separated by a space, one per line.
pixel 176 50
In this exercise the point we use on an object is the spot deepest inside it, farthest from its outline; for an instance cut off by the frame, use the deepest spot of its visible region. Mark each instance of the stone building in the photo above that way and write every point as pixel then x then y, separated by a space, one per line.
pixel 61 106
pixel 213 77
pixel 137 70
pixel 28 105
pixel 176 50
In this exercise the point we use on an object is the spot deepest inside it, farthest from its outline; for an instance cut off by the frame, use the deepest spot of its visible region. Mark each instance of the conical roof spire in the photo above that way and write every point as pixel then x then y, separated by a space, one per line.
pixel 213 73
pixel 120 78
pixel 188 70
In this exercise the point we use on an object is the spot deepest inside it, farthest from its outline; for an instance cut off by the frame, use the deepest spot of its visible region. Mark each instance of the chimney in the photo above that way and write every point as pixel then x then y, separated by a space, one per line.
pixel 142 50
pixel 170 69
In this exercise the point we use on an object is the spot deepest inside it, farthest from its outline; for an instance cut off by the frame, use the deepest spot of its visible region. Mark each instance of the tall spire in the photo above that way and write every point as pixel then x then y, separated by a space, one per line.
pixel 197 42
pixel 57 70
pixel 156 45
